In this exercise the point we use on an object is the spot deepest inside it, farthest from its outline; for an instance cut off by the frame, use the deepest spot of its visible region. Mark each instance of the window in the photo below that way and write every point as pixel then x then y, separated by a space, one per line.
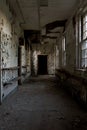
pixel 63 51
pixel 82 32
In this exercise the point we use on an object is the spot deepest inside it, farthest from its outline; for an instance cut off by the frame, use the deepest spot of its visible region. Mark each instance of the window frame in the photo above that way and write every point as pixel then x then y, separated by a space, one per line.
pixel 82 41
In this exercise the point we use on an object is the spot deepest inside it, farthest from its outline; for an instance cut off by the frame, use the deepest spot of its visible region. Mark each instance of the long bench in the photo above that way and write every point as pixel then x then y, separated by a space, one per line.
pixel 76 84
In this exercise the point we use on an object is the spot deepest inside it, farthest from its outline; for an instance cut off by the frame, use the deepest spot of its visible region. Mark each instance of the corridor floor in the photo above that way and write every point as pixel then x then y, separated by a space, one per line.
pixel 41 104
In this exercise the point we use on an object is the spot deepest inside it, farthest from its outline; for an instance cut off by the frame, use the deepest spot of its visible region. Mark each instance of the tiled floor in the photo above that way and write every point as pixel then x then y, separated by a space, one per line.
pixel 41 104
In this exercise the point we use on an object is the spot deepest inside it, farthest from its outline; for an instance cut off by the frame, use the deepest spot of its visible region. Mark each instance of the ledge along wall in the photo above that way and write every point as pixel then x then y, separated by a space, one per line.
pixel 70 73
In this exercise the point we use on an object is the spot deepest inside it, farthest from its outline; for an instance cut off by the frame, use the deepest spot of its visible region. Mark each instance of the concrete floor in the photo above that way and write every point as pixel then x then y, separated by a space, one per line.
pixel 41 104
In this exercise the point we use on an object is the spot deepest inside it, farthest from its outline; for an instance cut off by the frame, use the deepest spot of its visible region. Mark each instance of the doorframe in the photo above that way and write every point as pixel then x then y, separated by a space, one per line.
pixel 47 61
pixel 19 64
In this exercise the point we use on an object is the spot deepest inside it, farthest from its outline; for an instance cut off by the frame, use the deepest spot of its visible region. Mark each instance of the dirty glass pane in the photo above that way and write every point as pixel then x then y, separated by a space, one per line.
pixel 80 29
pixel 83 63
pixel 84 35
pixel 86 17
pixel 83 53
pixel 84 45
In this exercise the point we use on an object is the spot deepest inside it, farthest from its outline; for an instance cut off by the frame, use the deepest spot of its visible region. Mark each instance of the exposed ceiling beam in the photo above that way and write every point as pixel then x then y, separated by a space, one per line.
pixel 52 32
pixel 55 24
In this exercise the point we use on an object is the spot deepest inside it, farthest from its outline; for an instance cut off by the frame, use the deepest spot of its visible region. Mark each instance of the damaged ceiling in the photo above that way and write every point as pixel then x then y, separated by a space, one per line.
pixel 48 14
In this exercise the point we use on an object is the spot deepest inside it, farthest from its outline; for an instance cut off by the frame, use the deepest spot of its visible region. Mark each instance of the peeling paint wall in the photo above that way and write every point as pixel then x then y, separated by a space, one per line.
pixel 70 36
pixel 56 57
pixel 8 60
pixel 70 48
pixel 28 60
pixel 25 62
pixel 80 89
pixel 10 32
pixel 44 49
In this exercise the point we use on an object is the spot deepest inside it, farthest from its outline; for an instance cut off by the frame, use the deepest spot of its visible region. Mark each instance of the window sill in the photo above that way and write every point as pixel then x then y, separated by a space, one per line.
pixel 83 70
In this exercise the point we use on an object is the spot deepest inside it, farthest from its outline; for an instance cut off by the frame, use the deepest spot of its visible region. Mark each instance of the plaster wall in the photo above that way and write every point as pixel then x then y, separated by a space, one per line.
pixel 44 49
pixel 10 32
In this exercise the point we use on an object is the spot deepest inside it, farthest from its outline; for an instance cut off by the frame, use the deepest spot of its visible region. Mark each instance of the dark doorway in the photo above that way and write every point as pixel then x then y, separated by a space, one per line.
pixel 42 64
pixel 19 64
